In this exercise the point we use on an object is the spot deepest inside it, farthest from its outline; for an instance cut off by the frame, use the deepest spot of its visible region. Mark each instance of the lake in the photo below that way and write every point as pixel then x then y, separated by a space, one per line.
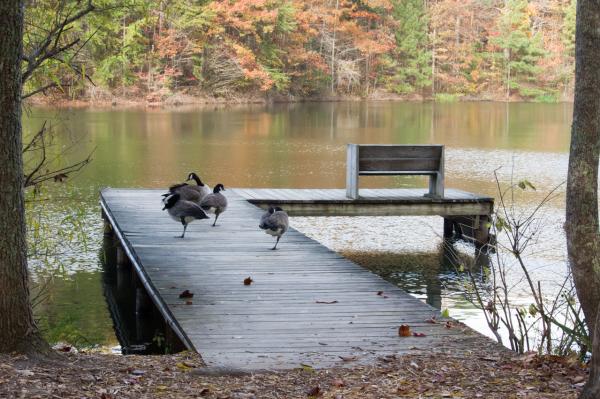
pixel 294 146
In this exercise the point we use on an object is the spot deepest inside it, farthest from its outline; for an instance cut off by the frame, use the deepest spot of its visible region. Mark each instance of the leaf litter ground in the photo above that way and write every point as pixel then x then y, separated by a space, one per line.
pixel 91 375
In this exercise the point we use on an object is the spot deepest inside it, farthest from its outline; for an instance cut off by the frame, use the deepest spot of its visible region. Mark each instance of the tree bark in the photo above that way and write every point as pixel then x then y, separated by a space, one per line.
pixel 583 238
pixel 18 331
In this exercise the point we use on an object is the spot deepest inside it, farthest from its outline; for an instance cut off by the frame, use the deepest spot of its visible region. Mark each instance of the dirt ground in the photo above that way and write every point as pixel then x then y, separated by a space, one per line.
pixel 89 375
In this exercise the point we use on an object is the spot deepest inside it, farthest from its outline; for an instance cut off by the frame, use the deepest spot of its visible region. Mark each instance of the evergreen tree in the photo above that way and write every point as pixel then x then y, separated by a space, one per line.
pixel 568 32
pixel 521 49
pixel 411 59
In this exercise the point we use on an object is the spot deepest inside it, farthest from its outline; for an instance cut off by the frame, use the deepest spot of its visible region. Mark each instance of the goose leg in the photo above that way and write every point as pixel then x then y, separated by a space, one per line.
pixel 216 217
pixel 184 228
pixel 276 242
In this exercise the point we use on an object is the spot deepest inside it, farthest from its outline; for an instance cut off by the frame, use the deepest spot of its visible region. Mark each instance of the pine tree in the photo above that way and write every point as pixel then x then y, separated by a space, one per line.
pixel 568 31
pixel 521 49
pixel 411 59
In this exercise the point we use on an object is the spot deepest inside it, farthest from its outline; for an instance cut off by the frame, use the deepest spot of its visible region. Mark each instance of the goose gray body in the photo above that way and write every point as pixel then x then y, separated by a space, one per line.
pixel 190 192
pixel 183 211
pixel 215 203
pixel 274 222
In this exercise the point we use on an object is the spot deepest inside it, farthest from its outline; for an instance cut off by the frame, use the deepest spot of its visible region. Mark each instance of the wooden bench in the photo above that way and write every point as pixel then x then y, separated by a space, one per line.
pixel 386 160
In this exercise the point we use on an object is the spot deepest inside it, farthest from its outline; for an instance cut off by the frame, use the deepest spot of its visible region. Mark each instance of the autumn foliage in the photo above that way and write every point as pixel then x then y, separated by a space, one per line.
pixel 486 49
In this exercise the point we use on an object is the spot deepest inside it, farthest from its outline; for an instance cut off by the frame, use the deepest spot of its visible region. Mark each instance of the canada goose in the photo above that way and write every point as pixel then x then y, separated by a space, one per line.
pixel 215 203
pixel 274 222
pixel 190 192
pixel 183 211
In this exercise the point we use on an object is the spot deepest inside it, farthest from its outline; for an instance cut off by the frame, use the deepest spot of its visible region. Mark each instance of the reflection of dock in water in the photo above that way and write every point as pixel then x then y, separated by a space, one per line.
pixel 430 276
pixel 307 304
pixel 139 327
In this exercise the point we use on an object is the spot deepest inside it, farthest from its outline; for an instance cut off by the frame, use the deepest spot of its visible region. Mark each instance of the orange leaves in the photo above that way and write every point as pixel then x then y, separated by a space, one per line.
pixel 404 330
pixel 170 43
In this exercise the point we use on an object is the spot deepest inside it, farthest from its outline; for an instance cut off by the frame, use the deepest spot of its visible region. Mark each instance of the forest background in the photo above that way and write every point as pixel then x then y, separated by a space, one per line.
pixel 178 51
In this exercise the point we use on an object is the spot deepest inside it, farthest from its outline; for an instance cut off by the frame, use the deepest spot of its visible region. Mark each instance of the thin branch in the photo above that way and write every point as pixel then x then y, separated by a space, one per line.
pixel 50 47
pixel 29 176
pixel 63 171
pixel 40 90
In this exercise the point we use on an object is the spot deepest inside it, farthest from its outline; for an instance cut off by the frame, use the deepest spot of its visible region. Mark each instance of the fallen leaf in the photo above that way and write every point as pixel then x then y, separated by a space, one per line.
pixel 183 366
pixel 490 359
pixel 248 281
pixel 62 347
pixel 307 367
pixel 186 294
pixel 188 302
pixel 418 334
pixel 404 330
pixel 314 392
pixel 338 383
pixel 327 302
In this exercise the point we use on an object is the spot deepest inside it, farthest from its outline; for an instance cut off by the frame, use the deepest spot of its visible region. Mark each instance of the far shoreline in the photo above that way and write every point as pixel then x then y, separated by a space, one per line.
pixel 183 101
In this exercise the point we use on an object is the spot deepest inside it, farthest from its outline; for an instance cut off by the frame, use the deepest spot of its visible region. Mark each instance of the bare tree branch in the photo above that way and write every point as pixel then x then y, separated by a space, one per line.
pixel 50 45
pixel 40 90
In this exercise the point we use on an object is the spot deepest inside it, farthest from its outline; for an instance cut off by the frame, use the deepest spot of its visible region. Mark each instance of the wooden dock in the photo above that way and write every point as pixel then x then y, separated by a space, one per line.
pixel 307 304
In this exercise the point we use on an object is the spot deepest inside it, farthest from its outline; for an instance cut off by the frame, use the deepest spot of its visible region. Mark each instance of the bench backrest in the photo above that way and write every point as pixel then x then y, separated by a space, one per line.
pixel 375 159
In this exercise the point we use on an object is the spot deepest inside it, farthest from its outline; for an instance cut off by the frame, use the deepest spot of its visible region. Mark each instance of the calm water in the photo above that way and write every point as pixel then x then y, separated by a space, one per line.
pixel 301 146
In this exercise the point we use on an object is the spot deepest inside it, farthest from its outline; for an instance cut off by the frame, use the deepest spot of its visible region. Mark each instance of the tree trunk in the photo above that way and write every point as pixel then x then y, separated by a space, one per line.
pixel 17 328
pixel 337 6
pixel 583 238
pixel 433 65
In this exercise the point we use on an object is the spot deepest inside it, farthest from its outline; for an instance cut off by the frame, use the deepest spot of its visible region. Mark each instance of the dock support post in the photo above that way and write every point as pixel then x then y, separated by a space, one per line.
pixel 143 303
pixel 474 228
pixel 481 231
pixel 173 342
pixel 122 259
pixel 448 228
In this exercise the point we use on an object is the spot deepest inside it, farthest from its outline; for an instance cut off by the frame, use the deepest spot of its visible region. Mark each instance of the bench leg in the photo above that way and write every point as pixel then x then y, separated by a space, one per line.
pixel 352 171
pixel 436 186
pixel 352 189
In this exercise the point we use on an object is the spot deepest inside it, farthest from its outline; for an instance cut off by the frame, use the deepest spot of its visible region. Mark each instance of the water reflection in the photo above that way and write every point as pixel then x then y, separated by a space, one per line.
pixel 137 323
pixel 431 276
